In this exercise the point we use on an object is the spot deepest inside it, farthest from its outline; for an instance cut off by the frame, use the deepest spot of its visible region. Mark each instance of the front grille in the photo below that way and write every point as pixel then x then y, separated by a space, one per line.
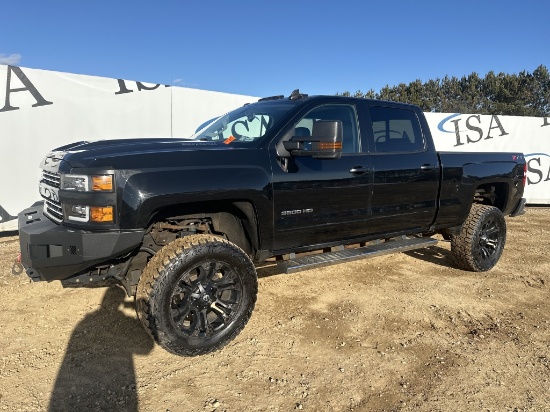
pixel 52 179
pixel 52 207
pixel 53 210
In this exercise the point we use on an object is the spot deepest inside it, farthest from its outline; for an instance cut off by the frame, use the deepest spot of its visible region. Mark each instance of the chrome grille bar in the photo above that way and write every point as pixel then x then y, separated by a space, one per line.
pixel 53 210
pixel 52 179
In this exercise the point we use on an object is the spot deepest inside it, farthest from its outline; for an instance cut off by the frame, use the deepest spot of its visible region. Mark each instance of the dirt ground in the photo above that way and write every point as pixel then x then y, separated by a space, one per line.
pixel 395 333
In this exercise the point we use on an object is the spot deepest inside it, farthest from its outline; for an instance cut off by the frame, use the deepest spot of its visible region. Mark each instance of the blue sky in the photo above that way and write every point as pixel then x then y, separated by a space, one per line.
pixel 264 48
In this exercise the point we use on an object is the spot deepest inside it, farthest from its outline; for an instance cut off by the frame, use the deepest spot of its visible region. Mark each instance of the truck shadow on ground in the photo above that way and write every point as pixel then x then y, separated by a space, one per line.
pixel 97 372
pixel 433 254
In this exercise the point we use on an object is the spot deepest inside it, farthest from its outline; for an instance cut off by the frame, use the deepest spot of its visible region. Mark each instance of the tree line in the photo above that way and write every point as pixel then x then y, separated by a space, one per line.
pixel 522 94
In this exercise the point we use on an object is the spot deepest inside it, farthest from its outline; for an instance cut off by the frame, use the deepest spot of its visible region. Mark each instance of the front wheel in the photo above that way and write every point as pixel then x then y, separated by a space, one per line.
pixel 481 241
pixel 196 294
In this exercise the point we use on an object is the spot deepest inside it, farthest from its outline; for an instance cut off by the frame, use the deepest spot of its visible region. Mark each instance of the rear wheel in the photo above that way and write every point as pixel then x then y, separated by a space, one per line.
pixel 481 241
pixel 196 294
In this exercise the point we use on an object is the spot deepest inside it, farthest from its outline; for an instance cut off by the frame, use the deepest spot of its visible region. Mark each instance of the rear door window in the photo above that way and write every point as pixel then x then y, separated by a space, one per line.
pixel 395 130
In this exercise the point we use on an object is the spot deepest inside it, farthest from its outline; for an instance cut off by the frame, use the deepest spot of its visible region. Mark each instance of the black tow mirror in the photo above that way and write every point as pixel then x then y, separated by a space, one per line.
pixel 325 141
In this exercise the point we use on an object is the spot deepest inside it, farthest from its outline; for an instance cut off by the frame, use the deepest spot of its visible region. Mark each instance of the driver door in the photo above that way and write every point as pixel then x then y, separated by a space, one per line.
pixel 319 201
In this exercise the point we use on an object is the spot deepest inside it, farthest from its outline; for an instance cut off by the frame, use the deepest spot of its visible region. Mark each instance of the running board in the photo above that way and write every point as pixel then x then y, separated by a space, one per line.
pixel 295 264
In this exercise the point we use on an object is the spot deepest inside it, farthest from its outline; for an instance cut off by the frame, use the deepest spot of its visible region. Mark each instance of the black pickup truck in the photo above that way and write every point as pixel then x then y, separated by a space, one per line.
pixel 304 181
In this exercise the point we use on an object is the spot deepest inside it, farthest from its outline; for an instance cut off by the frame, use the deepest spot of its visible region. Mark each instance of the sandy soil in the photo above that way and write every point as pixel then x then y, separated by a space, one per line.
pixel 395 333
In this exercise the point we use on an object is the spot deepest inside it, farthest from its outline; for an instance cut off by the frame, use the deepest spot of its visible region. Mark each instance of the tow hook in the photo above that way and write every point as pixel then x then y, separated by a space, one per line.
pixel 17 267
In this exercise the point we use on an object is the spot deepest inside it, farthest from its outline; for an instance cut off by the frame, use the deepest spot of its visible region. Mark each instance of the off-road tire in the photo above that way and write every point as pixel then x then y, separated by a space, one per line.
pixel 196 294
pixel 481 241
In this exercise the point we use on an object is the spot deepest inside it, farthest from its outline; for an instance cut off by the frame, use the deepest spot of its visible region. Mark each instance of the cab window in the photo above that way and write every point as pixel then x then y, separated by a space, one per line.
pixel 345 113
pixel 395 130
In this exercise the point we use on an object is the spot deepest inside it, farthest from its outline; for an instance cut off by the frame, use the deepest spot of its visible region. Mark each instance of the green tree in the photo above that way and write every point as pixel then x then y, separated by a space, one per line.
pixel 522 94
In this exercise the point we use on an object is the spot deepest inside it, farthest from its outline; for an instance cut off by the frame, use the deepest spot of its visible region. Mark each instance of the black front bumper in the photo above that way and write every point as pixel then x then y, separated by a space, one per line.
pixel 55 252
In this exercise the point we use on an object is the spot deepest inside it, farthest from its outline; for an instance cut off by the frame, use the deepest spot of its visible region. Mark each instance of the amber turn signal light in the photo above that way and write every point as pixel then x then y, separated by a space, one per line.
pixel 102 183
pixel 330 145
pixel 101 214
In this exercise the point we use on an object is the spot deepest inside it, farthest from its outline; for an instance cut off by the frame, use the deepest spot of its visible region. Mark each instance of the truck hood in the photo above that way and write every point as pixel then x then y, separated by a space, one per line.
pixel 108 153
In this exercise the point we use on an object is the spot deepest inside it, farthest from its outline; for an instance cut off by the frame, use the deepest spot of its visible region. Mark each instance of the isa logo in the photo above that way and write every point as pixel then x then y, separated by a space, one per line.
pixel 472 129
pixel 538 168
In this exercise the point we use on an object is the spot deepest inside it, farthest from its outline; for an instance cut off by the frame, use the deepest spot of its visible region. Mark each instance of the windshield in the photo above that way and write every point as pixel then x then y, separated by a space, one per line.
pixel 245 124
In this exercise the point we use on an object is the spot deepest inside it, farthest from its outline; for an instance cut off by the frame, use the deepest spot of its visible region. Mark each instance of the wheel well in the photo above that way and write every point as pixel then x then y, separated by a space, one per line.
pixel 493 194
pixel 235 220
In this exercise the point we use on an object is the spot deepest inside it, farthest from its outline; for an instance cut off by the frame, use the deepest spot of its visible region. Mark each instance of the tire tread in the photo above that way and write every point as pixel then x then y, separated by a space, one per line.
pixel 462 245
pixel 157 268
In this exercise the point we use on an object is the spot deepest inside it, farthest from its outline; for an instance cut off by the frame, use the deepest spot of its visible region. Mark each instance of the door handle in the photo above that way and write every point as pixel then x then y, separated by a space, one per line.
pixel 359 170
pixel 427 167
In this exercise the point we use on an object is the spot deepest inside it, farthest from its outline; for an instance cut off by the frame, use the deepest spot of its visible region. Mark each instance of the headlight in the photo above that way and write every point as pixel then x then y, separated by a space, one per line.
pixel 83 211
pixel 84 183
pixel 75 182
